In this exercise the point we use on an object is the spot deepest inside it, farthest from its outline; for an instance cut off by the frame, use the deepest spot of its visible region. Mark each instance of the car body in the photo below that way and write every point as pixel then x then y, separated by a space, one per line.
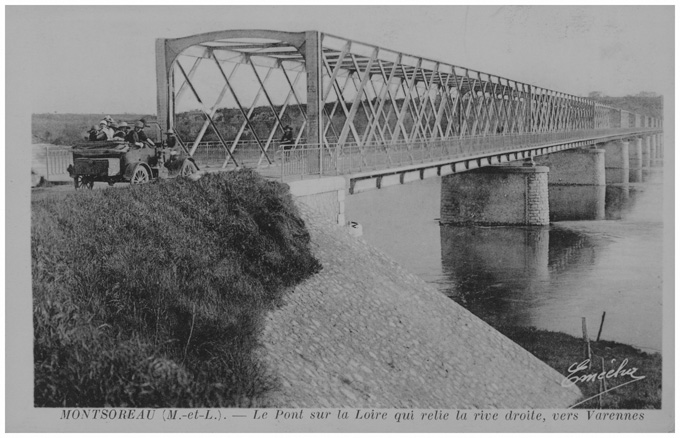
pixel 118 161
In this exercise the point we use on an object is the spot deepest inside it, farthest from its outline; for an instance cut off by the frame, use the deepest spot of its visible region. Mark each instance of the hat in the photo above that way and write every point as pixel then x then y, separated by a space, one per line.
pixel 108 118
pixel 288 128
pixel 139 124
pixel 103 122
pixel 123 125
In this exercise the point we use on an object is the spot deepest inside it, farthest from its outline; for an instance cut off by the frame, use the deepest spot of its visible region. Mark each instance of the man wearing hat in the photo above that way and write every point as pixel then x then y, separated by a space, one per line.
pixel 287 138
pixel 121 131
pixel 138 137
pixel 92 133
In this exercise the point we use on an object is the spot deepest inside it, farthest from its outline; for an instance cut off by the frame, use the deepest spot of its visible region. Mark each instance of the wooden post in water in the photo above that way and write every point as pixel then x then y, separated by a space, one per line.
pixel 586 341
pixel 599 332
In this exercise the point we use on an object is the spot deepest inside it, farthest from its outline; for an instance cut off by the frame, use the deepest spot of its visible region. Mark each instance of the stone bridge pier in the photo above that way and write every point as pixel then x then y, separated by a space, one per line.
pixel 635 159
pixel 646 152
pixel 563 185
pixel 576 183
pixel 659 142
pixel 496 195
pixel 616 162
pixel 655 147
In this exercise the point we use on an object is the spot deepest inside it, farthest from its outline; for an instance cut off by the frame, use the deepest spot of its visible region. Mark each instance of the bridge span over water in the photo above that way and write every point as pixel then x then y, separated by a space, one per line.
pixel 364 111
pixel 379 117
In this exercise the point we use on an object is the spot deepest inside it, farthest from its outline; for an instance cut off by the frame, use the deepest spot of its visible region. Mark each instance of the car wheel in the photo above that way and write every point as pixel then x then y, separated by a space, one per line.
pixel 139 176
pixel 187 169
pixel 83 182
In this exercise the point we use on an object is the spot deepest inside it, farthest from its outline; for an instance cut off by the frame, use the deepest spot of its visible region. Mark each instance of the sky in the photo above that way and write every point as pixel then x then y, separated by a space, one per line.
pixel 83 59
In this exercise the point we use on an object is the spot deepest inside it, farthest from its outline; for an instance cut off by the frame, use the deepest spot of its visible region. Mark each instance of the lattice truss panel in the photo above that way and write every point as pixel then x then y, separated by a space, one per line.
pixel 374 95
pixel 245 91
pixel 241 92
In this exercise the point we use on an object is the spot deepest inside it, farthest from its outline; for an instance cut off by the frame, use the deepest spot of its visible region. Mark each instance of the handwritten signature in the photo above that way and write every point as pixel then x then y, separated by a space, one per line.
pixel 572 379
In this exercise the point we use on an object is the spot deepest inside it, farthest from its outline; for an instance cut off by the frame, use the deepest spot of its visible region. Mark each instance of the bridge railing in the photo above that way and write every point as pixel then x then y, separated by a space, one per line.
pixel 355 158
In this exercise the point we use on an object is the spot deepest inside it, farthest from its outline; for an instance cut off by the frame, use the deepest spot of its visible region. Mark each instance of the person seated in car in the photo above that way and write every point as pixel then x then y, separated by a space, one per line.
pixel 92 133
pixel 104 132
pixel 121 131
pixel 138 137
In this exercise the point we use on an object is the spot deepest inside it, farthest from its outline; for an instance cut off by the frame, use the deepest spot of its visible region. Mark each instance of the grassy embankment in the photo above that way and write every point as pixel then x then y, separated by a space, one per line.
pixel 153 295
pixel 561 351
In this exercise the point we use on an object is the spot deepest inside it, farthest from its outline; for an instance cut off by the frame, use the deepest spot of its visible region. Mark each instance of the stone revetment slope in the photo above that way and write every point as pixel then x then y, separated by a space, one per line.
pixel 366 333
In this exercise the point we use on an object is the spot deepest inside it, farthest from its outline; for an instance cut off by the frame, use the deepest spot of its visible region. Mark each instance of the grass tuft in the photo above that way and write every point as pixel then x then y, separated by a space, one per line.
pixel 561 351
pixel 153 296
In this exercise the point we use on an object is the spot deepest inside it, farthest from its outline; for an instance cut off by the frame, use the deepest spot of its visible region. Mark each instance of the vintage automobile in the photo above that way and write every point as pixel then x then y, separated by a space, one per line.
pixel 116 161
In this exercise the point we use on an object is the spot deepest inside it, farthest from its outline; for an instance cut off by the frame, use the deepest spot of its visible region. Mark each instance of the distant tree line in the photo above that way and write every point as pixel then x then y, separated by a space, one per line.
pixel 646 102
pixel 69 129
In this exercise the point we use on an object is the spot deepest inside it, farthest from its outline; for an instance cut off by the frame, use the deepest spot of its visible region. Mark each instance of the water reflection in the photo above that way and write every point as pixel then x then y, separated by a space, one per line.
pixel 573 203
pixel 635 175
pixel 617 201
pixel 503 274
pixel 545 277
pixel 614 175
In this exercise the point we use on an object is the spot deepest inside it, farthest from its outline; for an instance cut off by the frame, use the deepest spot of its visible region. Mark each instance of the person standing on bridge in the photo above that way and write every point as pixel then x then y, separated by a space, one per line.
pixel 287 140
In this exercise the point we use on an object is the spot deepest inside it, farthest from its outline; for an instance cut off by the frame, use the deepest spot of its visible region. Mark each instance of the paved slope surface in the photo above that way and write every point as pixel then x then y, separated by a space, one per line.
pixel 366 333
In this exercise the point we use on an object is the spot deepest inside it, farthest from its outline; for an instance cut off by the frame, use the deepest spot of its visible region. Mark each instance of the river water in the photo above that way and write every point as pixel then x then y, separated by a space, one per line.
pixel 601 253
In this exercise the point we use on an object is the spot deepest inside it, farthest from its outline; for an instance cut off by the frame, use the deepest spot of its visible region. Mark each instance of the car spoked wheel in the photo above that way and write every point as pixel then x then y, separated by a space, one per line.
pixel 140 176
pixel 83 182
pixel 188 168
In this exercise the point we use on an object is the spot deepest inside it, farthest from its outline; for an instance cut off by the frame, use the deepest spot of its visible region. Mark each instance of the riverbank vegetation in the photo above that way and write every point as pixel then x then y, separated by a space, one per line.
pixel 561 351
pixel 153 295
pixel 68 129
pixel 645 102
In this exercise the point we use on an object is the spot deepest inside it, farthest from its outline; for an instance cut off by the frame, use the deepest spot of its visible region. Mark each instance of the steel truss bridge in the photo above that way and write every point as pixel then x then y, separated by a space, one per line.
pixel 361 109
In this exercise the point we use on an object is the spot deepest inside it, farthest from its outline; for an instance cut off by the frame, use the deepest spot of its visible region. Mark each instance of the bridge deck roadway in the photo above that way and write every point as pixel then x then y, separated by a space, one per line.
pixel 383 177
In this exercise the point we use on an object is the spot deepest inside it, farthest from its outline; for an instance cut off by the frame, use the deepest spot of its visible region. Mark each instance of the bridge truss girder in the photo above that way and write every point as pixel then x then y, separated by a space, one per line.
pixel 341 91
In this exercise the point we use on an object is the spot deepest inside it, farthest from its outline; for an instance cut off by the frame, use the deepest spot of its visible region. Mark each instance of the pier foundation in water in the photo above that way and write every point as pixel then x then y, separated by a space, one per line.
pixel 617 162
pixel 496 195
pixel 576 184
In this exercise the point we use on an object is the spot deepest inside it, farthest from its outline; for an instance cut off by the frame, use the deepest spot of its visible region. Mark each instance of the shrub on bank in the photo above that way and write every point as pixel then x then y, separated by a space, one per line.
pixel 153 295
